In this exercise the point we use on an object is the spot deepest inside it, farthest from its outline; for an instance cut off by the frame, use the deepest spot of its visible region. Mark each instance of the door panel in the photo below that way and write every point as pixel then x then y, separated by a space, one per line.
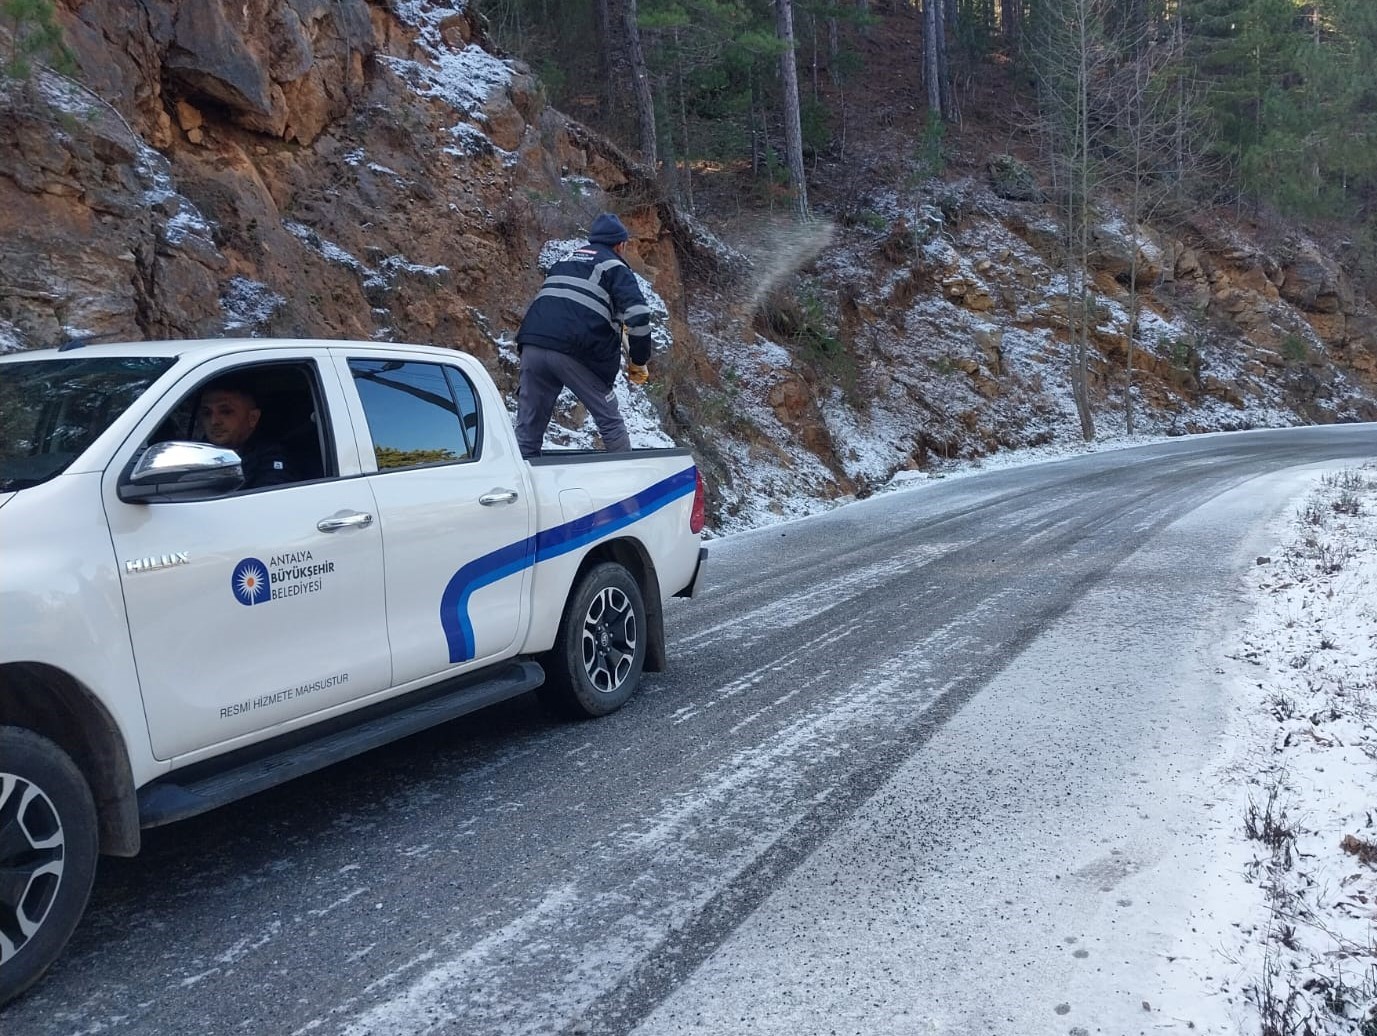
pixel 245 613
pixel 454 517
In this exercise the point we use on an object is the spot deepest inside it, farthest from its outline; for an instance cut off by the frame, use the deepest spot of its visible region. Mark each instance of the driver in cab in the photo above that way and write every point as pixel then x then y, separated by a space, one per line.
pixel 229 414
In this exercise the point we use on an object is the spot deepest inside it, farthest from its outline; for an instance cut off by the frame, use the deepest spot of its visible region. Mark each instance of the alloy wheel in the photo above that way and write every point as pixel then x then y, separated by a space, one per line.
pixel 609 639
pixel 32 857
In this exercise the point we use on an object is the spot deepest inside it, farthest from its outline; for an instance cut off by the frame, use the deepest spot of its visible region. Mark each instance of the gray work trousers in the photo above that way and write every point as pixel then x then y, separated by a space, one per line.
pixel 544 373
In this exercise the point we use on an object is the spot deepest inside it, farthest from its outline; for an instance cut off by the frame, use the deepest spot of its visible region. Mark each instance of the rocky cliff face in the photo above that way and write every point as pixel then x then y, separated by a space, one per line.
pixel 331 168
pixel 370 169
pixel 950 306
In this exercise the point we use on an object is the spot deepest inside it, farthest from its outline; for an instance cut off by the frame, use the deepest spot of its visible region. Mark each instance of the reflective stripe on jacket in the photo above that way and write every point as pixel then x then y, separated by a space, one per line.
pixel 580 306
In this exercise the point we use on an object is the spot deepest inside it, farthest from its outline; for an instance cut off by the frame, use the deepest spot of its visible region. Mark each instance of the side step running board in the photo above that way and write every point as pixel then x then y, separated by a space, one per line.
pixel 199 788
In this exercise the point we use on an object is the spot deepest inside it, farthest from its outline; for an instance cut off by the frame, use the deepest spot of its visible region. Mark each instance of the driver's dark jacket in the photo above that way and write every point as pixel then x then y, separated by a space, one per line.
pixel 264 463
pixel 578 309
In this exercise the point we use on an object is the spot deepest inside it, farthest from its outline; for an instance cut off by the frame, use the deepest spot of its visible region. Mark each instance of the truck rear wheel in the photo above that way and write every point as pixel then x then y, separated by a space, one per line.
pixel 595 665
pixel 48 848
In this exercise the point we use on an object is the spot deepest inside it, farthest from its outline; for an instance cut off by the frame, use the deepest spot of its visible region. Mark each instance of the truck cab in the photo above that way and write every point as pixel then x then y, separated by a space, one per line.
pixel 176 636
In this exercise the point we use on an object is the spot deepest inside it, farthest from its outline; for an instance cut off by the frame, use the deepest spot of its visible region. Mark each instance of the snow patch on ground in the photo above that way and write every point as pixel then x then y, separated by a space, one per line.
pixel 327 249
pixel 11 340
pixel 188 222
pixel 469 142
pixel 248 306
pixel 427 15
pixel 378 280
pixel 1303 792
pixel 464 80
pixel 1283 940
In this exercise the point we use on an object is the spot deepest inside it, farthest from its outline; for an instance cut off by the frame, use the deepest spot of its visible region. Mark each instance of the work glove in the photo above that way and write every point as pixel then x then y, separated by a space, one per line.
pixel 637 373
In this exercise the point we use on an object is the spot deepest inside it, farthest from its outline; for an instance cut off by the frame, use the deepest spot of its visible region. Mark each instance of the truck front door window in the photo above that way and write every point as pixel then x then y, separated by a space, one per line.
pixel 283 444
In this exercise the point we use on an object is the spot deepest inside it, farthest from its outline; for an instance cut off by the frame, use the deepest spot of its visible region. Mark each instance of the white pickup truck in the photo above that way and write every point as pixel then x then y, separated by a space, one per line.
pixel 171 641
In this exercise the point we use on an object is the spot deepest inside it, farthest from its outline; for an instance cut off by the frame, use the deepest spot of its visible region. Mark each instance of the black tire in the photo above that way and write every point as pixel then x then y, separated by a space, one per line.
pixel 48 848
pixel 595 665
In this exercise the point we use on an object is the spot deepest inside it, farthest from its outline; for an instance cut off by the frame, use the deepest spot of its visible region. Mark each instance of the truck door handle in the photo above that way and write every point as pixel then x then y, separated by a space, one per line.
pixel 497 496
pixel 347 520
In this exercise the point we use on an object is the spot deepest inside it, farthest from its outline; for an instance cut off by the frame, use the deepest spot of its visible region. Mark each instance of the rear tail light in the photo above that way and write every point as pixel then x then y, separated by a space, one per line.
pixel 696 515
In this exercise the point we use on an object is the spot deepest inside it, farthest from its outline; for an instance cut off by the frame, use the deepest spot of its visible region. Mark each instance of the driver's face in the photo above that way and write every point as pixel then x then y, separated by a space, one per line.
pixel 229 418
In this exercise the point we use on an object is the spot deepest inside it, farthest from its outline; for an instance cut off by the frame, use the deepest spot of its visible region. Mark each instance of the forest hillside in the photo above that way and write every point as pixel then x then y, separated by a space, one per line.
pixel 879 237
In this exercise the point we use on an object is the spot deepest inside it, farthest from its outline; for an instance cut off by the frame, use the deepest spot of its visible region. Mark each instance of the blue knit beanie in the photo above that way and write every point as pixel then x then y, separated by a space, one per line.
pixel 607 230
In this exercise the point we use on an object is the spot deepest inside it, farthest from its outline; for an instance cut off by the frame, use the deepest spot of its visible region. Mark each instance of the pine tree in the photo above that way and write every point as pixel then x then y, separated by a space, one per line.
pixel 793 131
pixel 640 79
pixel 34 36
pixel 1244 50
pixel 1317 157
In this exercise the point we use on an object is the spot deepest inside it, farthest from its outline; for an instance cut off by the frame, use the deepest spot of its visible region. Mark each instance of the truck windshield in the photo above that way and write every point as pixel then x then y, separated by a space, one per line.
pixel 51 410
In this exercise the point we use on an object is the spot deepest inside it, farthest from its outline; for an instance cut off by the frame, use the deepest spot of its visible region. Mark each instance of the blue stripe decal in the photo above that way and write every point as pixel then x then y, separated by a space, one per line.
pixel 544 545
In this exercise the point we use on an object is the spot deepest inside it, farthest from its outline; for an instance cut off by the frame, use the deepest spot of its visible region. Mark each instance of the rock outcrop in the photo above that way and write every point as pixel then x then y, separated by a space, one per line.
pixel 335 168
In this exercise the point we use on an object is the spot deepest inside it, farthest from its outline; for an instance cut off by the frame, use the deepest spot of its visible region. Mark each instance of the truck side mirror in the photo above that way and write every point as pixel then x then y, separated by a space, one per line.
pixel 173 470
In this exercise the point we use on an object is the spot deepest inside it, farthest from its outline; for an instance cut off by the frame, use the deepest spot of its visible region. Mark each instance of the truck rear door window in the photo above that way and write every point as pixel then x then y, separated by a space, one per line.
pixel 413 416
pixel 51 410
pixel 467 399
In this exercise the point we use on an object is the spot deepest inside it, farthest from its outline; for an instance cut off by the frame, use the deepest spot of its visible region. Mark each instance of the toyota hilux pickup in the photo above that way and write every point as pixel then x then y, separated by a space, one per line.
pixel 173 638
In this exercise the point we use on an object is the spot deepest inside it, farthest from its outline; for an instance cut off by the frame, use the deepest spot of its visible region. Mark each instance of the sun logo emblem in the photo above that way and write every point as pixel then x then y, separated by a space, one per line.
pixel 250 582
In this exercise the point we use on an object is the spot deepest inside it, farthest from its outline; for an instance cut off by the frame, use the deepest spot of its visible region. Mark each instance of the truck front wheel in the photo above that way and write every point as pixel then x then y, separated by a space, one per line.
pixel 48 847
pixel 599 651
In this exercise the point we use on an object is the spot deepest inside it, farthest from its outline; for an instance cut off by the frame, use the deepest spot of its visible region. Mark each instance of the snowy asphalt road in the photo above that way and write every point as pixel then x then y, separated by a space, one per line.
pixel 908 763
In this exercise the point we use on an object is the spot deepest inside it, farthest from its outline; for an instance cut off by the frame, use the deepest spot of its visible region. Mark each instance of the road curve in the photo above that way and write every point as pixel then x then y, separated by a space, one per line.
pixel 850 704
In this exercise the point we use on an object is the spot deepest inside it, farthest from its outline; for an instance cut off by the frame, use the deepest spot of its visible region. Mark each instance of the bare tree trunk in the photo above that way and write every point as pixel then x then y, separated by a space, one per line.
pixel 1132 332
pixel 813 46
pixel 1134 116
pixel 1070 64
pixel 1182 131
pixel 1082 379
pixel 686 184
pixel 931 67
pixel 757 131
pixel 946 19
pixel 669 149
pixel 1010 21
pixel 833 51
pixel 793 129
pixel 640 75
pixel 936 67
pixel 1157 158
pixel 603 24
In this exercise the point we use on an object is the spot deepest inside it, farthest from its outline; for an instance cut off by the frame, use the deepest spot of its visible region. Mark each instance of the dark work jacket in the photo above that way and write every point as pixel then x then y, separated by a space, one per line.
pixel 264 463
pixel 578 309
